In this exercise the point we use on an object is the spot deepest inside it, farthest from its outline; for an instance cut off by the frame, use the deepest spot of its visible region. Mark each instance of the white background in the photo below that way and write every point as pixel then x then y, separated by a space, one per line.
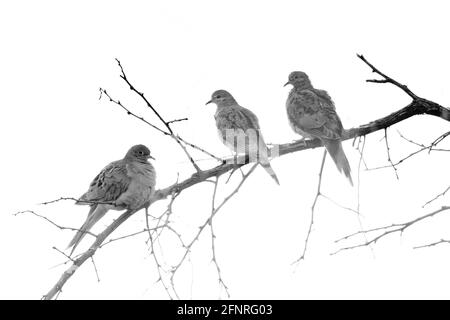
pixel 56 135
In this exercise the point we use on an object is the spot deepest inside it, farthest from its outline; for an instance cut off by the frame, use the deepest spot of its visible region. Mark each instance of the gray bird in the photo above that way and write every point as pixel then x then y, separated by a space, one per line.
pixel 124 184
pixel 312 114
pixel 239 130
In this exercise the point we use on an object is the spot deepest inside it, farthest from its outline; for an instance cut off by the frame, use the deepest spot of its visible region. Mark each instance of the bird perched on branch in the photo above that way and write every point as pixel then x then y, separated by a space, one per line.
pixel 239 130
pixel 124 184
pixel 312 114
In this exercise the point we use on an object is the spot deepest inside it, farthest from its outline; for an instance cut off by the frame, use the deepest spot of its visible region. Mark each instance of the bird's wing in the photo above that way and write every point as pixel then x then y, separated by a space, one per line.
pixel 236 118
pixel 333 127
pixel 324 98
pixel 315 114
pixel 109 184
pixel 239 130
pixel 251 119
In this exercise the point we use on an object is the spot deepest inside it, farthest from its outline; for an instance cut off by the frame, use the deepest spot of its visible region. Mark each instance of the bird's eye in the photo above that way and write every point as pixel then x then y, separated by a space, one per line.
pixel 218 97
pixel 141 152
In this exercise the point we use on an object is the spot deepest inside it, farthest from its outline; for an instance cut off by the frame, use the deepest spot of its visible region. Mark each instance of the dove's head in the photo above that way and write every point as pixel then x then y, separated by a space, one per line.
pixel 139 152
pixel 299 79
pixel 222 98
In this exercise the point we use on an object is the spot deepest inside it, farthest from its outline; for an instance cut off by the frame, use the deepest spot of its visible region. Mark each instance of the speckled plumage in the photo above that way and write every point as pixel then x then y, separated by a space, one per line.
pixel 239 129
pixel 312 114
pixel 124 184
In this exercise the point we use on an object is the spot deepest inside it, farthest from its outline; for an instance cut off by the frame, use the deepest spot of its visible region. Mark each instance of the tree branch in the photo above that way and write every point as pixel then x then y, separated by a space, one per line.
pixel 439 195
pixel 313 208
pixel 385 230
pixel 57 288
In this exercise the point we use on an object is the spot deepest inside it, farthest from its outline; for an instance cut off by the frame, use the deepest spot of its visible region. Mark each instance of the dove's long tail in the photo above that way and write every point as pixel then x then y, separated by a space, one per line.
pixel 264 162
pixel 334 148
pixel 263 158
pixel 95 213
pixel 269 170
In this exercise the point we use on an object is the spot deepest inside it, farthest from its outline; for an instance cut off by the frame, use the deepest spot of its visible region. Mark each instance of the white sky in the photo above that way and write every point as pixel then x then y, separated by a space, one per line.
pixel 57 135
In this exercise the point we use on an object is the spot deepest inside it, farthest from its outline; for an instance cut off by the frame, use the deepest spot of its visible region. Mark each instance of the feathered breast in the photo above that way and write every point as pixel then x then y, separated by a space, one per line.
pixel 142 173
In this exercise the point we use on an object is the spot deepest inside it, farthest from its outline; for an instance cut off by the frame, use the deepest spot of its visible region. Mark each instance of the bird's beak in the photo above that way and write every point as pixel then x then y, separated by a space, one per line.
pixel 287 83
pixel 151 157
pixel 210 101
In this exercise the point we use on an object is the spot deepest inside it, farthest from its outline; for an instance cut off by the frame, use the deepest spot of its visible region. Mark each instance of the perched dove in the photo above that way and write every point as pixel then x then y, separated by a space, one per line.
pixel 239 130
pixel 124 184
pixel 312 114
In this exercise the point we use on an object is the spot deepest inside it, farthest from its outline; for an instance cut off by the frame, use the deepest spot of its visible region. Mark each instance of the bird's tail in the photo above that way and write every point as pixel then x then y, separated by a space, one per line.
pixel 263 158
pixel 334 148
pixel 269 170
pixel 96 213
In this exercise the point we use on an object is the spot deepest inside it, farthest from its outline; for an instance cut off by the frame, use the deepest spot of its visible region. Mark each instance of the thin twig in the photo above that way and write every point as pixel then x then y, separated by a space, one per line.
pixel 53 223
pixel 202 227
pixel 432 244
pixel 386 230
pixel 166 123
pixel 213 238
pixel 338 204
pixel 422 148
pixel 159 267
pixel 436 197
pixel 387 79
pixel 95 268
pixel 129 112
pixel 438 140
pixel 65 255
pixel 177 120
pixel 358 206
pixel 86 255
pixel 199 149
pixel 318 193
pixel 389 153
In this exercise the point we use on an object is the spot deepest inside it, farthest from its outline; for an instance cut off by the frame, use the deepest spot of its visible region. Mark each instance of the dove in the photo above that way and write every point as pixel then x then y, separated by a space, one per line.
pixel 123 184
pixel 239 130
pixel 312 114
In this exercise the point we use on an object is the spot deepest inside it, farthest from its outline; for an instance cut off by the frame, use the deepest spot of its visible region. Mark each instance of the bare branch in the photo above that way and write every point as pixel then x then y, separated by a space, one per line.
pixel 148 229
pixel 95 268
pixel 166 123
pixel 423 147
pixel 213 239
pixel 86 255
pixel 202 227
pixel 439 139
pixel 389 153
pixel 386 230
pixel 141 94
pixel 433 244
pixel 338 204
pixel 53 223
pixel 193 146
pixel 158 264
pixel 170 133
pixel 436 197
pixel 387 79
pixel 76 200
pixel 177 120
pixel 69 258
pixel 313 207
